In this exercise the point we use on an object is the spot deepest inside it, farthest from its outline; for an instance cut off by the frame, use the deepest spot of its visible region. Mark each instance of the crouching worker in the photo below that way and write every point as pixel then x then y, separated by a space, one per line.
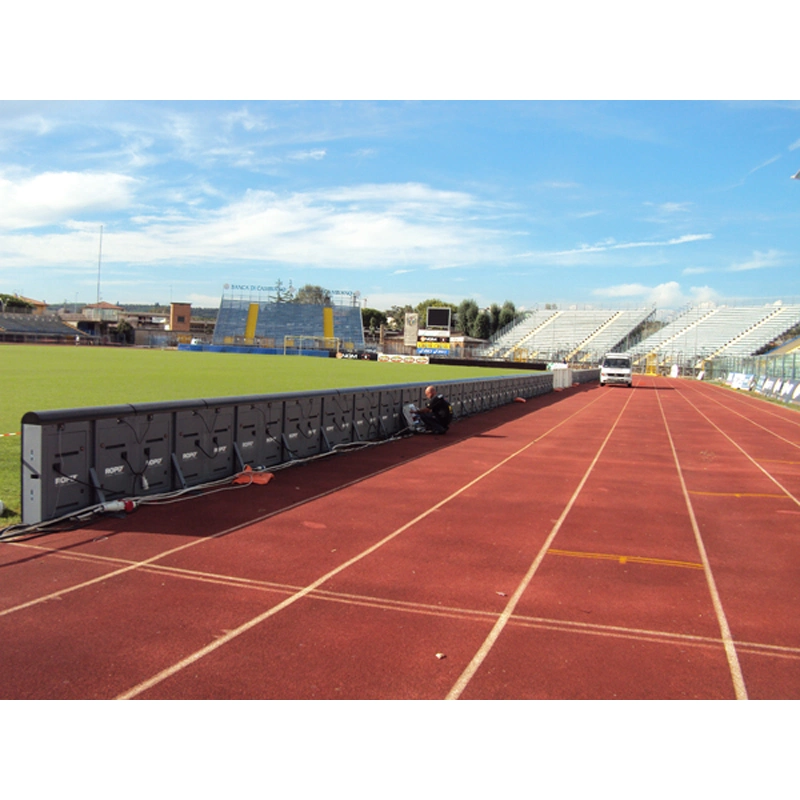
pixel 437 414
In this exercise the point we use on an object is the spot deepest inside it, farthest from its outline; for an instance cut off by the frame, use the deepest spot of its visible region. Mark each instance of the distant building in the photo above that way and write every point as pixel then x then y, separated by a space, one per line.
pixel 39 306
pixel 102 312
pixel 138 319
pixel 180 317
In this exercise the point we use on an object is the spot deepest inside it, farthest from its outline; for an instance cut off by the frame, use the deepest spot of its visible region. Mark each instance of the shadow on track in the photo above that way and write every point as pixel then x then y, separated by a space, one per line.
pixel 210 513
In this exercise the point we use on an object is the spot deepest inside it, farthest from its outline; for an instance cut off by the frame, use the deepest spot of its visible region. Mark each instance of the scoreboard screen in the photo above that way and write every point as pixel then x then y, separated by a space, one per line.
pixel 438 317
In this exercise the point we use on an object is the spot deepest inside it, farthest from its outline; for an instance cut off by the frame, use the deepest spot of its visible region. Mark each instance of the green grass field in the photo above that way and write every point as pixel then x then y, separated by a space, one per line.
pixel 38 378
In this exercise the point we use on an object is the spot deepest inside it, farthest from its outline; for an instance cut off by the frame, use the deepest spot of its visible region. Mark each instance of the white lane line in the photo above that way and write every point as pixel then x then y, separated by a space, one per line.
pixel 230 635
pixel 741 449
pixel 708 396
pixel 104 577
pixel 483 651
pixel 727 639
pixel 754 402
pixel 454 612
pixel 133 565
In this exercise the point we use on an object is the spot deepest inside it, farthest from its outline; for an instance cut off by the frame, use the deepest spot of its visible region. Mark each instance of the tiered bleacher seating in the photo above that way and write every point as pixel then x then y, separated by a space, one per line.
pixel 575 334
pixel 702 333
pixel 614 335
pixel 663 339
pixel 512 335
pixel 35 326
pixel 278 320
pixel 757 337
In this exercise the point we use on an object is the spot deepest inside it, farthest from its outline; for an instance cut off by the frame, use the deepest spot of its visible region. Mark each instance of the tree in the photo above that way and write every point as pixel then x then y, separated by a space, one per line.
pixel 508 313
pixel 10 302
pixel 494 318
pixel 465 315
pixel 396 317
pixel 372 318
pixel 481 328
pixel 125 332
pixel 283 295
pixel 313 295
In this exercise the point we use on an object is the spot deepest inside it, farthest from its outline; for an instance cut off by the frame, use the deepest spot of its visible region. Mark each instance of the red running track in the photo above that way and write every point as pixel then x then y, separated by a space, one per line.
pixel 593 543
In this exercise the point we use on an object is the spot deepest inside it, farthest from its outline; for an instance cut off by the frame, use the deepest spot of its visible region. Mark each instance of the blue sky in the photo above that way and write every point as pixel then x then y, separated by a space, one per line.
pixel 612 202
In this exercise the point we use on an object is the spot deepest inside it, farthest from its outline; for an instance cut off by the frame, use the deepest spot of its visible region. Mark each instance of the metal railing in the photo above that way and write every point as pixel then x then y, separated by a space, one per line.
pixel 786 366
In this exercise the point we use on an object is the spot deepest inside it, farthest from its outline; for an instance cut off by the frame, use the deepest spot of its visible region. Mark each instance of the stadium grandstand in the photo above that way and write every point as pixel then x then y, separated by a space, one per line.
pixel 703 333
pixel 254 317
pixel 575 335
pixel 696 335
pixel 35 328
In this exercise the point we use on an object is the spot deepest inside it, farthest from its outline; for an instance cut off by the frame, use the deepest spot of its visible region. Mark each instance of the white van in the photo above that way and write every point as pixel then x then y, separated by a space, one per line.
pixel 616 368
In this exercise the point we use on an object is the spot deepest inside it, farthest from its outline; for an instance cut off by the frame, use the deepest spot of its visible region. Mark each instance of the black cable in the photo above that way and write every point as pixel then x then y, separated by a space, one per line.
pixel 46 527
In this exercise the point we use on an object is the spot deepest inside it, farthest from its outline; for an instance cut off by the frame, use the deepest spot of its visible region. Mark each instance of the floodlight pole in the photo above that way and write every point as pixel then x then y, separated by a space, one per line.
pixel 99 259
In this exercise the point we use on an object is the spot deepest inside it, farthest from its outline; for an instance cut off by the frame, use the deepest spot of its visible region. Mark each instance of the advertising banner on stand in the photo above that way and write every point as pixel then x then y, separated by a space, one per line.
pixel 433 343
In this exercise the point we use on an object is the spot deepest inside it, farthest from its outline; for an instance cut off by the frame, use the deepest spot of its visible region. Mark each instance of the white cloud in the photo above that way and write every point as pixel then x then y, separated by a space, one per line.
pixel 664 295
pixel 308 155
pixel 772 258
pixel 399 195
pixel 247 120
pixel 622 290
pixel 587 214
pixel 35 124
pixel 765 164
pixel 692 237
pixel 54 197
pixel 695 270
pixel 667 295
pixel 398 226
pixel 794 145
pixel 610 244
pixel 703 294
pixel 559 185
pixel 670 208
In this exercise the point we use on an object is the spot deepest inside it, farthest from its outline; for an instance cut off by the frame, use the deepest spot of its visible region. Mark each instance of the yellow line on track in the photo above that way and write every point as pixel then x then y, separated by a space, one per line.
pixel 664 562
